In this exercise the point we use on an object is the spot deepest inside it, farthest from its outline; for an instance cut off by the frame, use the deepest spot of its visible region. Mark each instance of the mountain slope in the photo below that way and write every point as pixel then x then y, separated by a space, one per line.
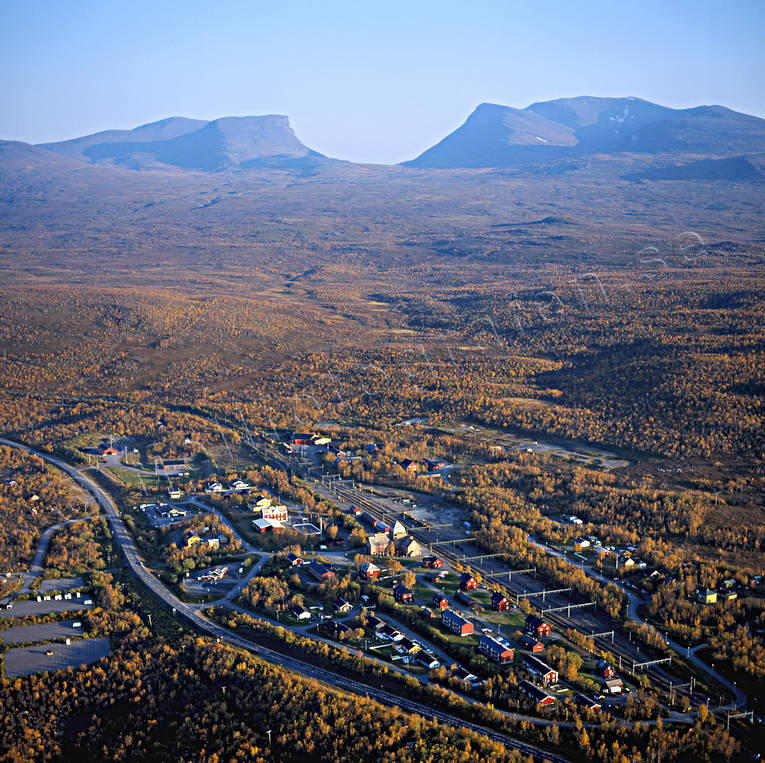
pixel 709 130
pixel 500 136
pixel 597 121
pixel 496 135
pixel 736 168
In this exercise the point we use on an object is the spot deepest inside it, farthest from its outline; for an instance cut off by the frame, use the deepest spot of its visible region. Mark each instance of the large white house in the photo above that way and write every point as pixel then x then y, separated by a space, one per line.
pixel 275 513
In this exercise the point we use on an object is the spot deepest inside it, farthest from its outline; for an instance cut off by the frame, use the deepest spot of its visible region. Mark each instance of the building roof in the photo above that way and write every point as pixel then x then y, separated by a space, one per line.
pixel 450 614
pixel 378 540
pixel 391 631
pixel 537 666
pixel 464 675
pixel 408 546
pixel 535 692
pixel 266 524
pixel 583 699
pixel 491 642
pixel 319 569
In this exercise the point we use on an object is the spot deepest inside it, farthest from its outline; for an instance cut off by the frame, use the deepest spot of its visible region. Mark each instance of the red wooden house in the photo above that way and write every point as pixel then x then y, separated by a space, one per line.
pixel 537 627
pixel 468 582
pixel 500 602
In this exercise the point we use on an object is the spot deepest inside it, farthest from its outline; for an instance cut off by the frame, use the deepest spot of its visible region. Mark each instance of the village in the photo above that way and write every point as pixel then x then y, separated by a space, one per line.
pixel 392 573
pixel 350 577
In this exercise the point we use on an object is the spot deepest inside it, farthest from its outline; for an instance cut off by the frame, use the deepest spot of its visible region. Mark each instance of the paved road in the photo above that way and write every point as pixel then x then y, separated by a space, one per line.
pixel 238 587
pixel 125 541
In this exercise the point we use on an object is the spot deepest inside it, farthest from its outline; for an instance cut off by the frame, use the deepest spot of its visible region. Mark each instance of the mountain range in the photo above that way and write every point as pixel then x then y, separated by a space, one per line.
pixel 709 142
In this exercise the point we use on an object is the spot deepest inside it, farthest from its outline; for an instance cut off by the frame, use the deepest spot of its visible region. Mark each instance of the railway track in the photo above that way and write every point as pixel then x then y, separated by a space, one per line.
pixel 126 543
pixel 660 678
pixel 393 700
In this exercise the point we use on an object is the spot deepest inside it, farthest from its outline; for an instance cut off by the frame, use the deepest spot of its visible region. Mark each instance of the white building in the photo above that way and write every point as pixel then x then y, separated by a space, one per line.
pixel 275 513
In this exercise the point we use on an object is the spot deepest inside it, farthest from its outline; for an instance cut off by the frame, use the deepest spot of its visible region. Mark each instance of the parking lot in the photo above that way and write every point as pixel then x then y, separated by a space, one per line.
pixel 155 520
pixel 61 584
pixel 220 587
pixel 32 607
pixel 35 659
pixel 27 634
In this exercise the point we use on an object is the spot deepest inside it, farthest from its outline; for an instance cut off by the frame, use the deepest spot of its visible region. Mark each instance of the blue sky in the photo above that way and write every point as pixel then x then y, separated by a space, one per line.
pixel 376 82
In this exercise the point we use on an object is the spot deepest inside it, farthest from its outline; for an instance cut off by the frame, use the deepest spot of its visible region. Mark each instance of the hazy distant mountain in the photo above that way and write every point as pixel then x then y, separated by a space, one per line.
pixel 16 156
pixel 495 136
pixel 500 136
pixel 165 129
pixel 640 140
pixel 189 144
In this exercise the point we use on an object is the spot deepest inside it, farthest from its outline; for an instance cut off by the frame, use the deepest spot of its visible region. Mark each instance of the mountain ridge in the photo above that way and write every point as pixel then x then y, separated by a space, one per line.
pixel 218 144
pixel 502 136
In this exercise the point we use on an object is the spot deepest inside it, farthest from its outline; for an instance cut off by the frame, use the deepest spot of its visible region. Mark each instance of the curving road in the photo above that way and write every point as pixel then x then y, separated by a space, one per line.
pixel 125 541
